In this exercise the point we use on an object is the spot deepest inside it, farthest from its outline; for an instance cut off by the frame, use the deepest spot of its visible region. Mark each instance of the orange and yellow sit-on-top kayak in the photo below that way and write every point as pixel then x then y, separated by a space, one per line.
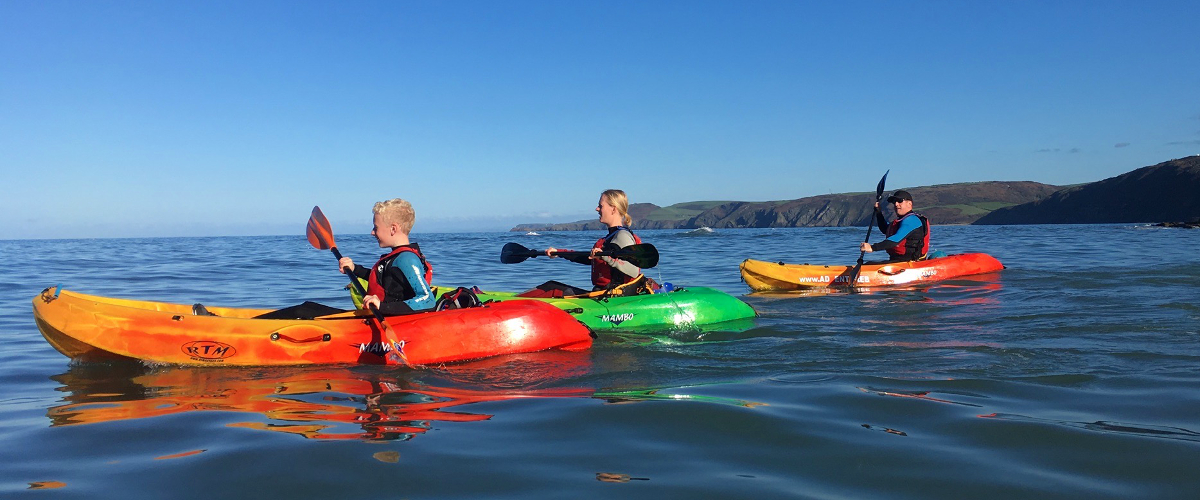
pixel 765 276
pixel 96 328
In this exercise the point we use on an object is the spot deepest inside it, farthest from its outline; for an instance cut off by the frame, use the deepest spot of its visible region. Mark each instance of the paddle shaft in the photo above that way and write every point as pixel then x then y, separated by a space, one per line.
pixel 870 224
pixel 627 254
pixel 642 255
pixel 577 253
pixel 357 286
pixel 320 235
pixel 371 307
pixel 868 238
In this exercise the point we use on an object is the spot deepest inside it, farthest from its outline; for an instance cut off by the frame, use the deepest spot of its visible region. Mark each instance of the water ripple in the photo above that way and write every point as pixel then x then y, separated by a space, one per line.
pixel 1071 374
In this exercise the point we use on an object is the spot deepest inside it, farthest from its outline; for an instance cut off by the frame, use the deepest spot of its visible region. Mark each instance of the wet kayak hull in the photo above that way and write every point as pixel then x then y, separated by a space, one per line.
pixel 90 327
pixel 682 308
pixel 689 308
pixel 766 276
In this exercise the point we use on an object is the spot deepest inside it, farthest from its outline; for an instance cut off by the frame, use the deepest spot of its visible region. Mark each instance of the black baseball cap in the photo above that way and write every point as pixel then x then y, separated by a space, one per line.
pixel 899 195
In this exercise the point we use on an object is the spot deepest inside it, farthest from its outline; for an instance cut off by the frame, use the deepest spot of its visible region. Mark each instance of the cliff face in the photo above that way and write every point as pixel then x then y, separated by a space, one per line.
pixel 1169 191
pixel 943 204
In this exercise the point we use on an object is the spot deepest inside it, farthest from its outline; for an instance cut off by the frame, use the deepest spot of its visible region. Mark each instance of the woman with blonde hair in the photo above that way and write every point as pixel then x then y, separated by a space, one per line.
pixel 608 272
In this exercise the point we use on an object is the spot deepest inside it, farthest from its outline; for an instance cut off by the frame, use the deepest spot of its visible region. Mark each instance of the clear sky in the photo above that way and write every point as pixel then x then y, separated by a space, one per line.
pixel 165 118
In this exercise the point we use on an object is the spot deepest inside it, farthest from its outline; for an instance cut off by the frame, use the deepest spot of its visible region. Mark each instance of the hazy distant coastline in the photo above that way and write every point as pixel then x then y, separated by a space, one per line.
pixel 1158 193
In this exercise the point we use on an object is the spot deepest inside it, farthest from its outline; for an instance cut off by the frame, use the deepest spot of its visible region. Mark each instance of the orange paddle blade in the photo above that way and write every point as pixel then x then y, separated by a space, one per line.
pixel 320 233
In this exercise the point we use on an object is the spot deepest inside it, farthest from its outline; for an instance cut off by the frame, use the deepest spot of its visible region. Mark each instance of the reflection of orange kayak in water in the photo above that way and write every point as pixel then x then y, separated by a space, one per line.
pixel 329 403
pixel 334 402
pixel 90 327
pixel 764 276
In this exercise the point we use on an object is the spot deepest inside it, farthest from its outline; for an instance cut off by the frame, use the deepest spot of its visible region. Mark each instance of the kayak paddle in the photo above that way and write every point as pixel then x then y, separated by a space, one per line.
pixel 643 255
pixel 870 224
pixel 320 235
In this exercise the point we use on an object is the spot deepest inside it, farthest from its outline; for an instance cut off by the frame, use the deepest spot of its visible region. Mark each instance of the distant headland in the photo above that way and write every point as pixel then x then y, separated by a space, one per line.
pixel 1167 192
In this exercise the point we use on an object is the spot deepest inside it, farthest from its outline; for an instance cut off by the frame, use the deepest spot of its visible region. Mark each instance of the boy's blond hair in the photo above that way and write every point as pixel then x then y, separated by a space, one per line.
pixel 398 211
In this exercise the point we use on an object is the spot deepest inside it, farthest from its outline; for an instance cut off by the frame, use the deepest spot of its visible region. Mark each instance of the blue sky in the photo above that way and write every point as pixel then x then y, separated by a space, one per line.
pixel 142 118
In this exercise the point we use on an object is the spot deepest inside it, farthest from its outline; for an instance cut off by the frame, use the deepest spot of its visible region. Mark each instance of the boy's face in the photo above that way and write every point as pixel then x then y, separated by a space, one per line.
pixel 384 232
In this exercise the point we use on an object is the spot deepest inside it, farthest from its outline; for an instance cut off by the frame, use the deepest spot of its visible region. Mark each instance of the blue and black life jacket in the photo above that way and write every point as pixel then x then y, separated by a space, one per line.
pixel 376 288
pixel 914 246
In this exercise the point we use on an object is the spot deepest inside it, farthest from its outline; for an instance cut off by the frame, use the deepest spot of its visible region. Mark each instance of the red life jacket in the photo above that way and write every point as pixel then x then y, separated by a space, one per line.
pixel 915 245
pixel 374 287
pixel 602 273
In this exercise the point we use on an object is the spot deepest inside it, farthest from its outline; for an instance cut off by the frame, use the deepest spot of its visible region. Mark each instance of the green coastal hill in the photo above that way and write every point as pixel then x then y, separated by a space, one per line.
pixel 1158 193
pixel 945 204
pixel 1167 192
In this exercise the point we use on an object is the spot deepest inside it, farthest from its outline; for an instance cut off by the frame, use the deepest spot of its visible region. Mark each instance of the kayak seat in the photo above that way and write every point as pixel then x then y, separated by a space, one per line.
pixel 305 310
pixel 641 285
pixel 552 290
pixel 198 309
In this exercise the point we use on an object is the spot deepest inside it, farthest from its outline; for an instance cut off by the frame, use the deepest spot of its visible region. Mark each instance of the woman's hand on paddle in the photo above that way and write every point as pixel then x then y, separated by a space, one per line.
pixel 369 301
pixel 345 263
pixel 551 251
pixel 866 247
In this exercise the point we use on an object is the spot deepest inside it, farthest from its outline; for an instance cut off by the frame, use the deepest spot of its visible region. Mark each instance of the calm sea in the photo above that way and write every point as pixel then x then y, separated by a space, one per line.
pixel 1074 373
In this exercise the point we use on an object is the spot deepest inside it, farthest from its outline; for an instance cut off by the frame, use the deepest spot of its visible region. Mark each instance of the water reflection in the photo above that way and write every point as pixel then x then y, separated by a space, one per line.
pixel 683 334
pixel 1136 429
pixel 360 403
pixel 962 290
pixel 368 403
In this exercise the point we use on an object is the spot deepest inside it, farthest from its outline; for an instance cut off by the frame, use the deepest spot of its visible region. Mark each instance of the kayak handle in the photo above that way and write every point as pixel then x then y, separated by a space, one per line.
pixel 319 338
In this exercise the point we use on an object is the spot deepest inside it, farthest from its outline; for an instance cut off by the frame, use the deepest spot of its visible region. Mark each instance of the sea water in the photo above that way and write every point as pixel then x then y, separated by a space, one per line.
pixel 1073 373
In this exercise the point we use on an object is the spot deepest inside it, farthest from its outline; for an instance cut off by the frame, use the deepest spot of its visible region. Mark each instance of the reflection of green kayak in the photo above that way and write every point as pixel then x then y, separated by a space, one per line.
pixel 681 308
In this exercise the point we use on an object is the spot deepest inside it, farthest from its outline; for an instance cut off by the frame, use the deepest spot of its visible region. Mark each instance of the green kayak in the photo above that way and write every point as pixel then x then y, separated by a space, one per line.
pixel 700 308
pixel 679 308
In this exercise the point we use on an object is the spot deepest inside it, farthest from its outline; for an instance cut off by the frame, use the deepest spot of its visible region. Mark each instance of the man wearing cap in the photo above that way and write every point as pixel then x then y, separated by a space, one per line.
pixel 907 236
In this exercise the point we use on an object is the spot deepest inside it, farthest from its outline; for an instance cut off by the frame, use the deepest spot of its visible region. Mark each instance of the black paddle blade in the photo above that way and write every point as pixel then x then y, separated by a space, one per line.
pixel 854 273
pixel 643 255
pixel 513 253
pixel 320 233
pixel 879 188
